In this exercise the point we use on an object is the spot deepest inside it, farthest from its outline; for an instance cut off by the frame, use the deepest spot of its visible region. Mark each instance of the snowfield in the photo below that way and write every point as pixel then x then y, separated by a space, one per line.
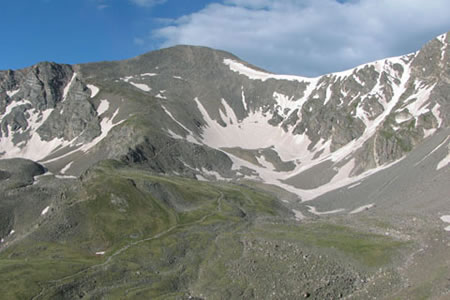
pixel 94 90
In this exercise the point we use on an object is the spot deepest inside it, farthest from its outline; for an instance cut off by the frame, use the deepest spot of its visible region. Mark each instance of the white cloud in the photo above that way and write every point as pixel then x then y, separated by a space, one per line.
pixel 148 3
pixel 311 37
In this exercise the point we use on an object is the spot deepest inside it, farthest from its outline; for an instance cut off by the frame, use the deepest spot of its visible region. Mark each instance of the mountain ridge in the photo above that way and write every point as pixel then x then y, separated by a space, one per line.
pixel 299 105
pixel 188 173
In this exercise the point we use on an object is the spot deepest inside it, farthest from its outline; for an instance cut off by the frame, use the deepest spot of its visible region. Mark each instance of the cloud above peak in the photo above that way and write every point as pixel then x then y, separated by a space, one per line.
pixel 310 37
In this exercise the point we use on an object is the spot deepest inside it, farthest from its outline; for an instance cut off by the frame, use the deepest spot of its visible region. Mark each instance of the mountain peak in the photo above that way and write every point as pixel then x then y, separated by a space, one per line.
pixel 190 150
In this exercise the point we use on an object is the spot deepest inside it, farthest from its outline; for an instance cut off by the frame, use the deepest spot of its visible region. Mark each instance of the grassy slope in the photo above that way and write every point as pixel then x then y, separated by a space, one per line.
pixel 368 249
pixel 179 240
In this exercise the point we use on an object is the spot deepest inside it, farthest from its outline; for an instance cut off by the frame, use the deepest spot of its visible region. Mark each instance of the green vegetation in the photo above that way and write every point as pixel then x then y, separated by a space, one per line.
pixel 133 216
pixel 22 271
pixel 369 249
pixel 167 237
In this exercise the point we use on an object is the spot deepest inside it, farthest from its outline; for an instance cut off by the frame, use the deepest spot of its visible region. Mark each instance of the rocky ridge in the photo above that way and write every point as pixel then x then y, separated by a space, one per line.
pixel 203 112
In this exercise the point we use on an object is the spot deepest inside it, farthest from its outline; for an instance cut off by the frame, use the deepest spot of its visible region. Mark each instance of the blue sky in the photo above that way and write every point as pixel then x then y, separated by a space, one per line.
pixel 305 37
pixel 75 31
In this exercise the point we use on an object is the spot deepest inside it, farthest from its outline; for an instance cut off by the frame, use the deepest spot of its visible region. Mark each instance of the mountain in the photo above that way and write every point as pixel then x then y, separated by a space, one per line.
pixel 187 172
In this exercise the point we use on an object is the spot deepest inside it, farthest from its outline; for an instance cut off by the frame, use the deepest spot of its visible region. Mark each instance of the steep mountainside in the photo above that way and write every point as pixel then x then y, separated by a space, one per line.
pixel 189 149
pixel 272 128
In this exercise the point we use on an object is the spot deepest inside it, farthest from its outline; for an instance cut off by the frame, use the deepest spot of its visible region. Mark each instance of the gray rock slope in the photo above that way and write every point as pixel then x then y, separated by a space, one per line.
pixel 204 113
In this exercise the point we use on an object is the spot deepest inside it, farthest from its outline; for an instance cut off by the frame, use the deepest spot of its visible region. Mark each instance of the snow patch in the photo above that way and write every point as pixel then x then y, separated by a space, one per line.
pixel 12 93
pixel 362 114
pixel 353 185
pixel 244 102
pixel 298 215
pixel 314 211
pixel 437 114
pixel 94 90
pixel 65 177
pixel 263 162
pixel 312 84
pixel 214 174
pixel 141 86
pixel 328 95
pixel 428 132
pixel 342 179
pixel 174 135
pixel 106 126
pixel 400 118
pixel 285 103
pixel 230 117
pixel 45 210
pixel 34 148
pixel 37 149
pixel 127 78
pixel 446 219
pixel 444 162
pixel 259 75
pixel 190 136
pixel 358 80
pixel 67 88
pixel 148 74
pixel 102 107
pixel 441 38
pixel 362 208
pixel 38 177
pixel 161 95
pixel 13 105
pixel 200 178
pixel 67 167
pixel 248 132
pixel 417 107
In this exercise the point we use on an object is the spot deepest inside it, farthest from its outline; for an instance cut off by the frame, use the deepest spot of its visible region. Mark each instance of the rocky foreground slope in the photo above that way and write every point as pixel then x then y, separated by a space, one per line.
pixel 151 167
